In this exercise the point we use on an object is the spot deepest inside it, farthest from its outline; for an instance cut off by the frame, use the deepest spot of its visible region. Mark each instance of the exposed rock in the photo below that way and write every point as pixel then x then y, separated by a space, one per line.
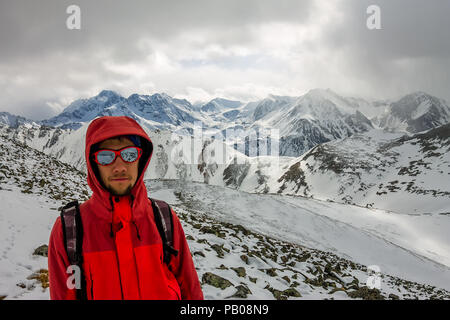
pixel 215 230
pixel 244 258
pixel 336 290
pixel 234 174
pixel 199 253
pixel 366 294
pixel 242 292
pixel 294 175
pixel 291 292
pixel 271 272
pixel 219 250
pixel 215 280
pixel 41 251
pixel 240 271
pixel 276 293
pixel 304 257
pixel 393 297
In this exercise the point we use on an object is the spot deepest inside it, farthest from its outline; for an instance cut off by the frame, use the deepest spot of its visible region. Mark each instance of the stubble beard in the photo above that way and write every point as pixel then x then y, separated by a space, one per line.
pixel 114 192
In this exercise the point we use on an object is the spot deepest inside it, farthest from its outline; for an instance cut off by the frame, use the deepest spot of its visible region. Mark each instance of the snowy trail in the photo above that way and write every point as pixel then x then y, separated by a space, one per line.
pixel 410 247
pixel 25 224
pixel 426 235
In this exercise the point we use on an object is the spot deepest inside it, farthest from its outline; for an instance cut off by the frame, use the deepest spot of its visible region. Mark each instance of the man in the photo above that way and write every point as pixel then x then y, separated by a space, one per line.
pixel 122 248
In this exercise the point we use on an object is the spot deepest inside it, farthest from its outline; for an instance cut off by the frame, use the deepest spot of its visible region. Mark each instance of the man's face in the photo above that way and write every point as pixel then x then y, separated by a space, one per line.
pixel 118 177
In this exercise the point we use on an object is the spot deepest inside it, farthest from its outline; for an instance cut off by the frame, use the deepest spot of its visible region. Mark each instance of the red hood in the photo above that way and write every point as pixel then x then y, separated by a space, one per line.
pixel 107 127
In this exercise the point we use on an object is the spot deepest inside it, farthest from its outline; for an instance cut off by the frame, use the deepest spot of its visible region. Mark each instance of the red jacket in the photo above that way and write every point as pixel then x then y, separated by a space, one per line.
pixel 129 263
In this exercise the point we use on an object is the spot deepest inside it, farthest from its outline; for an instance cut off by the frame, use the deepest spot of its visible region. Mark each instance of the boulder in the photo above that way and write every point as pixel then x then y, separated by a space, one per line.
pixel 41 251
pixel 215 280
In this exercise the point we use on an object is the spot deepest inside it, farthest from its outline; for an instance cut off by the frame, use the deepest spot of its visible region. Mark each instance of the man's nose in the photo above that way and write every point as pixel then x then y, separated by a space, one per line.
pixel 119 165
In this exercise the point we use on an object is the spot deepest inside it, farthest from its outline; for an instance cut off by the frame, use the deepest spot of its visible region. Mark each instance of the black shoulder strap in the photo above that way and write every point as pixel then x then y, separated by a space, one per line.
pixel 164 223
pixel 73 238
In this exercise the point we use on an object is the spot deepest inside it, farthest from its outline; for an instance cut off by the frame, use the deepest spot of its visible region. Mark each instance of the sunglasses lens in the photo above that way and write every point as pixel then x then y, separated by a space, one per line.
pixel 130 154
pixel 105 157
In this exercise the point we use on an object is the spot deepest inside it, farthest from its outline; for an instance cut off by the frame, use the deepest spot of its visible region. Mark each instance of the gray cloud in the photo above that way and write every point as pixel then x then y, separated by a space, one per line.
pixel 235 49
pixel 411 52
pixel 39 26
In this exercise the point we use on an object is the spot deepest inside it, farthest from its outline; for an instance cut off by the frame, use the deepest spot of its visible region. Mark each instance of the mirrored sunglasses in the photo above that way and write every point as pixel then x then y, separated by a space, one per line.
pixel 106 157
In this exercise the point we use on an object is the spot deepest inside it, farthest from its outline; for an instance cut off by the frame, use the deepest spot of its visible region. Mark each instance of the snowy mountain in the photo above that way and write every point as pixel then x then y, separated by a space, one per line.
pixel 219 105
pixel 375 169
pixel 267 227
pixel 392 171
pixel 155 111
pixel 415 113
pixel 244 246
pixel 303 122
pixel 270 105
pixel 316 117
pixel 333 133
pixel 12 121
pixel 84 110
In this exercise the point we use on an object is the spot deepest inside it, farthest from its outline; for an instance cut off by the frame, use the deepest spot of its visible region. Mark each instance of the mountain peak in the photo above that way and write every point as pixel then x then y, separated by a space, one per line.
pixel 274 97
pixel 321 97
pixel 108 93
pixel 415 99
pixel 12 120
pixel 419 94
pixel 322 93
pixel 161 96
pixel 219 105
pixel 416 112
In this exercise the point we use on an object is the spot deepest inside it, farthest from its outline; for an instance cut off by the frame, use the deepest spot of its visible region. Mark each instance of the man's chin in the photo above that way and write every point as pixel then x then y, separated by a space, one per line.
pixel 120 192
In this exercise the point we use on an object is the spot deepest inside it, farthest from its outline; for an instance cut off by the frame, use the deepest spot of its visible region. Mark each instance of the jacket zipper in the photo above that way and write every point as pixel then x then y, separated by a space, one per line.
pixel 92 289
pixel 115 247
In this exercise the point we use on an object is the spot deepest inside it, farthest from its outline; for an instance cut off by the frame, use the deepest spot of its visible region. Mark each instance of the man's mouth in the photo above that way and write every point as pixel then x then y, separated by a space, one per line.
pixel 120 179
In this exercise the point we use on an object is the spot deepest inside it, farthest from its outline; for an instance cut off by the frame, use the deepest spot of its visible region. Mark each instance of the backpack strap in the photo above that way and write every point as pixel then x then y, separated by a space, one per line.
pixel 73 238
pixel 164 223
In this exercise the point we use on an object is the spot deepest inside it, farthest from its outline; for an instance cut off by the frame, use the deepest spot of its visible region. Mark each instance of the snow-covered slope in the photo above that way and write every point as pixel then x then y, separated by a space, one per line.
pixel 375 169
pixel 407 174
pixel 290 249
pixel 346 161
pixel 9 120
pixel 219 105
pixel 156 110
pixel 413 247
pixel 316 117
pixel 33 186
pixel 303 122
pixel 415 113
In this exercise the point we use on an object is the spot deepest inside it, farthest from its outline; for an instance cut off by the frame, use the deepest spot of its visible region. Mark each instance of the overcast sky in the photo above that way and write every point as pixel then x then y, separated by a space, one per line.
pixel 202 49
